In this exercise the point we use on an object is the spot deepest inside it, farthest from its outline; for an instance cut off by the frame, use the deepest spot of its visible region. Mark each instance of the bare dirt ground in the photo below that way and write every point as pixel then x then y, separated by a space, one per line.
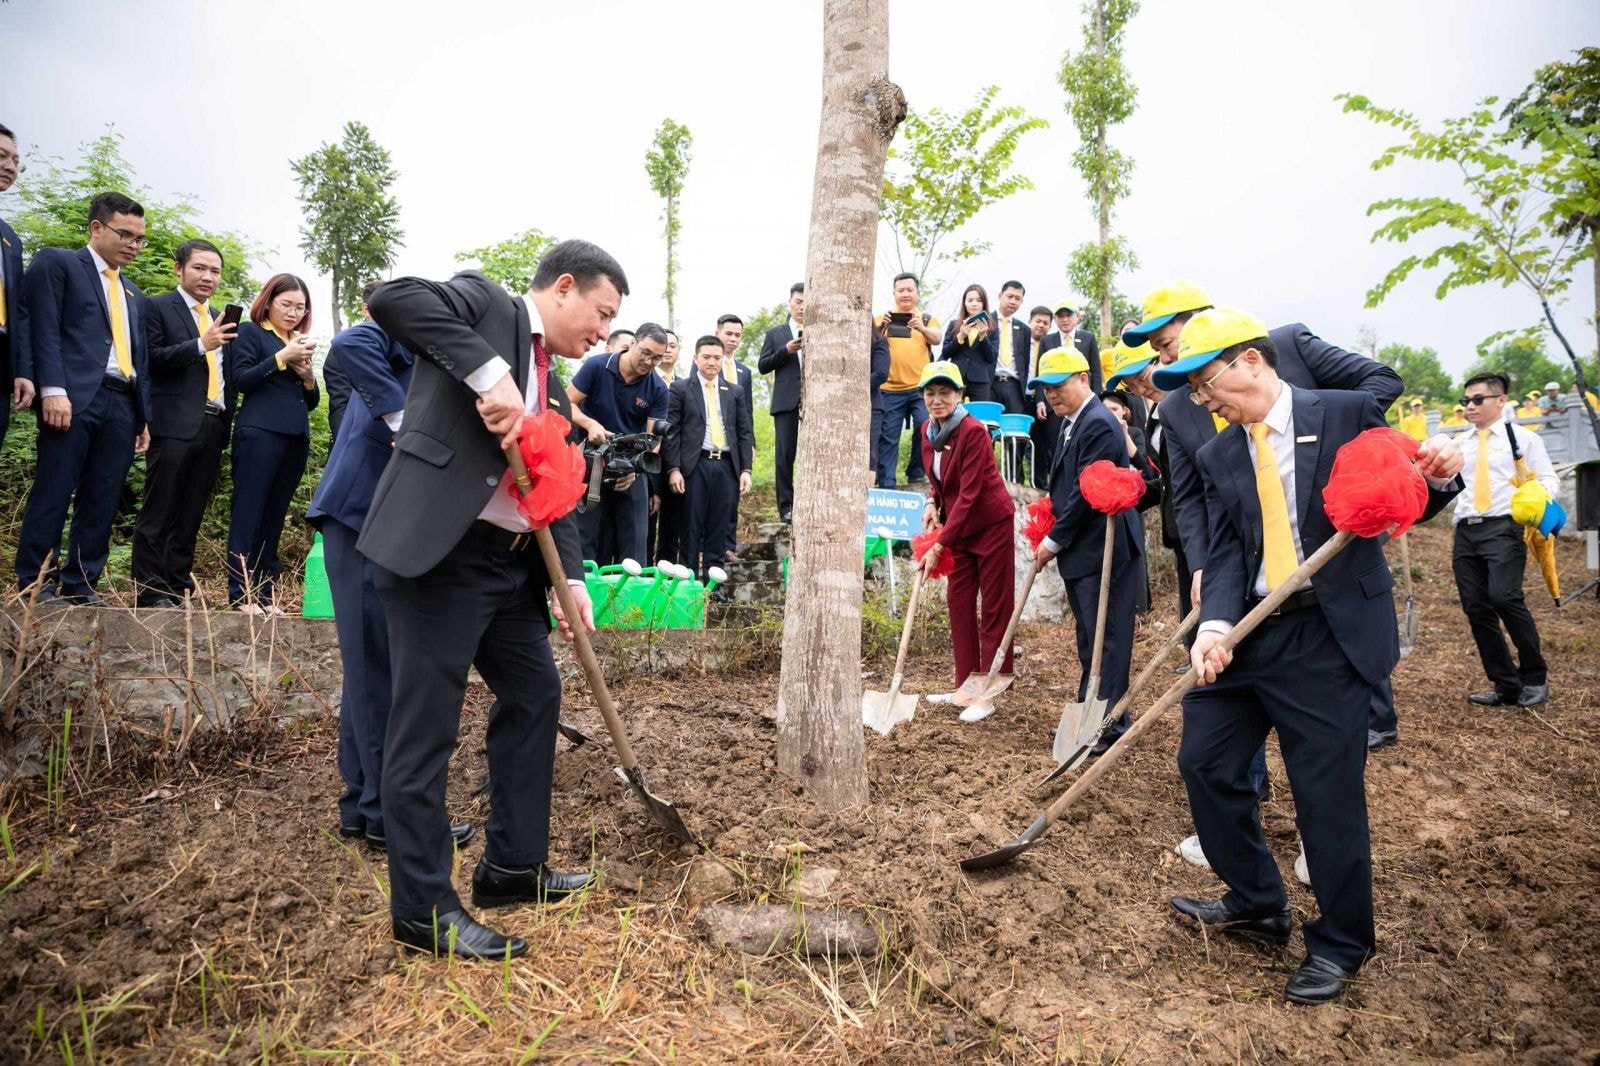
pixel 211 913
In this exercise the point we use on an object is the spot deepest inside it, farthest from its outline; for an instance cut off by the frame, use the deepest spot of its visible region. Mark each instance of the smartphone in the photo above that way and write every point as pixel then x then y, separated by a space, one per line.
pixel 231 314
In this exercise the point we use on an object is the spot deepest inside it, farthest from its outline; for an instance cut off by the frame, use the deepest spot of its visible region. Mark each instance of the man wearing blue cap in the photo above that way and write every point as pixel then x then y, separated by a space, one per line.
pixel 1089 433
pixel 1308 670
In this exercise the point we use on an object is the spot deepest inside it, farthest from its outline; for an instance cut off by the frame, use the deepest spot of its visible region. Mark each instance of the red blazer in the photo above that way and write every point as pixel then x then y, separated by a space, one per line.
pixel 968 491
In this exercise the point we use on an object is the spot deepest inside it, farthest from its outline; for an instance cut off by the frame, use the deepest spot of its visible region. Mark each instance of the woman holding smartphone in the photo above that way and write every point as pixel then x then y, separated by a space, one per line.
pixel 271 366
pixel 969 343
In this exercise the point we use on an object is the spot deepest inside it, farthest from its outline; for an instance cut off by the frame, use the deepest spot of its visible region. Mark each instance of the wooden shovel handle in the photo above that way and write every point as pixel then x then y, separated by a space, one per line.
pixel 1011 627
pixel 1247 625
pixel 1100 610
pixel 911 613
pixel 1405 564
pixel 580 636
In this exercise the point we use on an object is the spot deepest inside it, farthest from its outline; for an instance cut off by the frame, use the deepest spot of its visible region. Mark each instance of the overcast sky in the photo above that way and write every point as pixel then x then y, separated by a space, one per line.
pixel 505 114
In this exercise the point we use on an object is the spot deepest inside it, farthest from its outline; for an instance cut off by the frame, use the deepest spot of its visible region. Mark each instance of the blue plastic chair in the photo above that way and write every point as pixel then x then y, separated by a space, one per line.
pixel 1015 435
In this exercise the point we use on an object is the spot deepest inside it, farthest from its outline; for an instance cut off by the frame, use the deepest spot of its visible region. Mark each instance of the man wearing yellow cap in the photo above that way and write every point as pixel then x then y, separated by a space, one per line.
pixel 1308 671
pixel 1089 433
pixel 1457 417
pixel 1415 423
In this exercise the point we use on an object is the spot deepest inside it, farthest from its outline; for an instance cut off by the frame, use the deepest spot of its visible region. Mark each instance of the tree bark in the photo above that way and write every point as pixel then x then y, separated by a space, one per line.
pixel 672 265
pixel 820 737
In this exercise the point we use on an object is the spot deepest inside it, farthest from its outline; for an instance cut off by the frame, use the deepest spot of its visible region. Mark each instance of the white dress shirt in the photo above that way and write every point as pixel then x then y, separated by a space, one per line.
pixel 112 370
pixel 794 332
pixel 700 382
pixel 501 510
pixel 189 300
pixel 1501 467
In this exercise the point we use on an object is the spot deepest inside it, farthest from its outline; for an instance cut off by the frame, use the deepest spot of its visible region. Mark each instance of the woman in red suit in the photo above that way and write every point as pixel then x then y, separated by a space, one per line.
pixel 969 507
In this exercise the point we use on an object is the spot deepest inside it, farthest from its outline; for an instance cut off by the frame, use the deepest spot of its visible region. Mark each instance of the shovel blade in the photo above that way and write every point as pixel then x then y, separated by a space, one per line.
pixel 574 735
pixel 1408 632
pixel 999 857
pixel 883 711
pixel 1073 760
pixel 662 812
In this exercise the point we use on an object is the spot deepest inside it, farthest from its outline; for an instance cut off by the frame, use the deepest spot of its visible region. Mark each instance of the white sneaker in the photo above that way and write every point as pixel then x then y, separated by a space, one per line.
pixel 1191 852
pixel 977 712
pixel 941 699
pixel 1302 872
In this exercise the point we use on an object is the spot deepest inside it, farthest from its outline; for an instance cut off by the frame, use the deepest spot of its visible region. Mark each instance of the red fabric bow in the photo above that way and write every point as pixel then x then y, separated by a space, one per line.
pixel 919 547
pixel 555 466
pixel 1041 518
pixel 1109 488
pixel 1375 484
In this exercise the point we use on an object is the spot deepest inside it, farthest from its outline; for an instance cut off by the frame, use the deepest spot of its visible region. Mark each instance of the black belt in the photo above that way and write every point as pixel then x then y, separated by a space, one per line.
pixel 1481 519
pixel 216 410
pixel 505 540
pixel 116 384
pixel 1296 601
pixel 714 453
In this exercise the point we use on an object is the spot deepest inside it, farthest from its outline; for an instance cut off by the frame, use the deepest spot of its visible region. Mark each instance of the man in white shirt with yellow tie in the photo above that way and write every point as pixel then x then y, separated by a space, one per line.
pixel 1013 341
pixel 191 409
pixel 1490 553
pixel 707 454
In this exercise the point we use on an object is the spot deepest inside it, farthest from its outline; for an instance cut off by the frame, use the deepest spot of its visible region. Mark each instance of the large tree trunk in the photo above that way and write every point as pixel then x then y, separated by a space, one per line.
pixel 820 736
pixel 1105 194
pixel 672 266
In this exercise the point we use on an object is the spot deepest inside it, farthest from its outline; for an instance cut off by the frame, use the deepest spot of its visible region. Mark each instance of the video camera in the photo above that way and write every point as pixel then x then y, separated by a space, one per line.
pixel 622 456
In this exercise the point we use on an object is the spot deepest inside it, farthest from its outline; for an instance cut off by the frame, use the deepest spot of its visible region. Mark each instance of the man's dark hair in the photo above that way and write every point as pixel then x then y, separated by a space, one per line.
pixel 1042 310
pixel 797 289
pixel 725 319
pixel 584 261
pixel 187 249
pixel 107 204
pixel 708 339
pixel 671 332
pixel 1264 345
pixel 1014 285
pixel 1117 396
pixel 5 131
pixel 369 288
pixel 616 333
pixel 650 331
pixel 1490 378
pixel 906 276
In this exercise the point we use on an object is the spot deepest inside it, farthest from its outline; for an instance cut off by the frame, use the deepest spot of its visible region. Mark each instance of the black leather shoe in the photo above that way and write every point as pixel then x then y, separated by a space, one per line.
pixel 161 602
pixel 1316 981
pixel 76 599
pixel 1533 695
pixel 1378 739
pixel 460 832
pixel 1495 699
pixel 1263 927
pixel 352 832
pixel 455 933
pixel 496 886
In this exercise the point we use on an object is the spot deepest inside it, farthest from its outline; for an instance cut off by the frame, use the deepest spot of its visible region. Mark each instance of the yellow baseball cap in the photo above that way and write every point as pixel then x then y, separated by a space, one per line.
pixel 942 370
pixel 1057 365
pixel 1161 305
pixel 1459 409
pixel 1067 306
pixel 1204 337
pixel 1128 362
pixel 1416 401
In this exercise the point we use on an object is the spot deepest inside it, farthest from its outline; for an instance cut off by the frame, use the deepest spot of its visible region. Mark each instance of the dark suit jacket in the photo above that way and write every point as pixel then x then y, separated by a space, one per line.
pixel 747 394
pixel 783 366
pixel 379 371
pixel 1048 343
pixel 69 329
pixel 1080 530
pixel 686 410
pixel 976 361
pixel 1304 360
pixel 1089 345
pixel 446 465
pixel 336 383
pixel 178 373
pixel 16 308
pixel 967 490
pixel 269 398
pixel 1353 589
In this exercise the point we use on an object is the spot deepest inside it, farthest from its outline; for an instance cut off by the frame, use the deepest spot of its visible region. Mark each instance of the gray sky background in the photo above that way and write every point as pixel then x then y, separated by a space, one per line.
pixel 503 115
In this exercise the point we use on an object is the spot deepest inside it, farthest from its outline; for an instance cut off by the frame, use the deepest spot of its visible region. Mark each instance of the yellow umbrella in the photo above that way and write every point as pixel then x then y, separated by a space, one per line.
pixel 1528 503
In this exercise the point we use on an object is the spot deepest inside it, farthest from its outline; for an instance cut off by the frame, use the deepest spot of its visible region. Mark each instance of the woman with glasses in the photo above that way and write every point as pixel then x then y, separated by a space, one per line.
pixel 969 343
pixel 270 362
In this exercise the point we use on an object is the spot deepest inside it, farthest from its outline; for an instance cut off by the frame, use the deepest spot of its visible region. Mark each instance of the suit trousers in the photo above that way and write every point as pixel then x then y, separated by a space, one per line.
pixel 616 528
pixel 713 490
pixel 1008 390
pixel 875 430
pixel 481 606
pixel 1083 596
pixel 897 407
pixel 266 471
pixel 1489 559
pixel 786 444
pixel 7 381
pixel 1046 433
pixel 180 476
pixel 666 528
pixel 984 568
pixel 84 467
pixel 1292 676
pixel 981 391
pixel 365 699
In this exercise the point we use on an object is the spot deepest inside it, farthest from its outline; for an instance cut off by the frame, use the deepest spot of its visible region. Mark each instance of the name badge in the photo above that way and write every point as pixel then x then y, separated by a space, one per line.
pixel 1306 440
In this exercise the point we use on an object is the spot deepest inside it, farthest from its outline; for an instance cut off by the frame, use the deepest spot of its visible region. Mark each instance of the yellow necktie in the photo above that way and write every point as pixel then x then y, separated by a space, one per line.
pixel 1033 361
pixel 2 306
pixel 1220 422
pixel 719 440
pixel 1482 498
pixel 119 325
pixel 1005 343
pixel 1276 539
pixel 213 376
pixel 729 371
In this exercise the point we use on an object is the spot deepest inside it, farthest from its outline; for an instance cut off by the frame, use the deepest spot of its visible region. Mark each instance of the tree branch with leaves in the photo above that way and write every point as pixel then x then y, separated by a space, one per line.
pixel 667 163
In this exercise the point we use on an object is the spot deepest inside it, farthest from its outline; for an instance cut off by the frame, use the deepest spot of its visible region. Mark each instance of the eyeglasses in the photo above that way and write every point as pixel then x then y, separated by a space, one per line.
pixel 289 309
pixel 646 358
pixel 1198 393
pixel 136 240
pixel 1474 401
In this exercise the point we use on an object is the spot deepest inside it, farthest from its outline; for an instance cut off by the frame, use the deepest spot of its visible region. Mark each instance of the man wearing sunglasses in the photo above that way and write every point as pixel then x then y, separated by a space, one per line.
pixel 1490 553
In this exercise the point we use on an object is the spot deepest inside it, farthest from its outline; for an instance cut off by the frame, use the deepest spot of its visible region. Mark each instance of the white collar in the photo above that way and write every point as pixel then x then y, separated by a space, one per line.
pixel 100 265
pixel 190 298
pixel 535 322
pixel 1282 409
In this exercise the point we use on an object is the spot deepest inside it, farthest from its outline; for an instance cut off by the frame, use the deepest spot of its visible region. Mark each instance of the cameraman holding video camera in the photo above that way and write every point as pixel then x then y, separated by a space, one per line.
pixel 617 399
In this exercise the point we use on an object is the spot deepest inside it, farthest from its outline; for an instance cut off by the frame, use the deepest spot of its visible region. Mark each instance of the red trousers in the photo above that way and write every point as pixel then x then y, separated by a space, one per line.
pixel 984 568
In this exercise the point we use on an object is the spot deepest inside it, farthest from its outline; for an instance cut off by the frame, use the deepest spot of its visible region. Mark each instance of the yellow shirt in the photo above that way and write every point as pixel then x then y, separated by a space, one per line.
pixel 1530 410
pixel 907 357
pixel 1415 426
pixel 1454 420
